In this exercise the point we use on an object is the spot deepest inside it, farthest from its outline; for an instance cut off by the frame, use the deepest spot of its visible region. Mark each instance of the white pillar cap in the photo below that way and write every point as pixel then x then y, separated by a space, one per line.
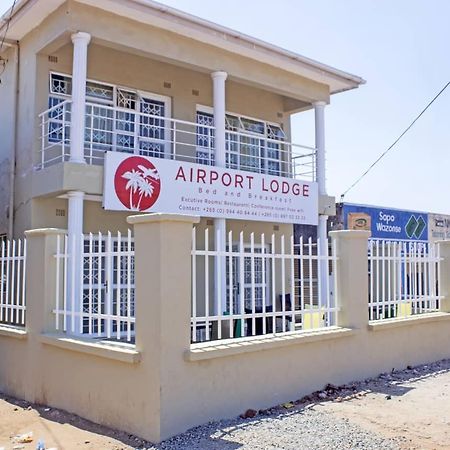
pixel 75 194
pixel 80 160
pixel 319 103
pixel 81 36
pixel 219 74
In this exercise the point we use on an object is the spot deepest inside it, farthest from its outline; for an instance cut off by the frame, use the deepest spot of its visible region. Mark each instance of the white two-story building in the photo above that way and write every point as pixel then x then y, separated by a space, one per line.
pixel 86 82
pixel 81 78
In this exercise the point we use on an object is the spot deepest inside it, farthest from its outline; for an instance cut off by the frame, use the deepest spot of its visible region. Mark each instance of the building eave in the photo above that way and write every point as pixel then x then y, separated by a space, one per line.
pixel 30 13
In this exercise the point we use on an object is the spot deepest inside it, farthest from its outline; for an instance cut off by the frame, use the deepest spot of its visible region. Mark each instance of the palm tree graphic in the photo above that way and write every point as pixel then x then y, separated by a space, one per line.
pixel 140 181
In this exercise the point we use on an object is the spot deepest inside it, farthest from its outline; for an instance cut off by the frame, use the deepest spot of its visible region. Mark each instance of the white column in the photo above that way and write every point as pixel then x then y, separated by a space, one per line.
pixel 79 72
pixel 219 79
pixel 220 225
pixel 76 198
pixel 75 214
pixel 75 231
pixel 319 112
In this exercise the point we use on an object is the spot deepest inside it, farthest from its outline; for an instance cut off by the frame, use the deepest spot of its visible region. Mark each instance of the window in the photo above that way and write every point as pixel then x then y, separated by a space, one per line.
pixel 117 118
pixel 105 286
pixel 99 91
pixel 60 84
pixel 251 144
pixel 152 130
pixel 257 280
pixel 58 121
pixel 249 147
pixel 205 138
pixel 274 149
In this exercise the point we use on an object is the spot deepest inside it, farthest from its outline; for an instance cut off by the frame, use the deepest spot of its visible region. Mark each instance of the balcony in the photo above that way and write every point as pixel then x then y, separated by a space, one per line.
pixel 146 132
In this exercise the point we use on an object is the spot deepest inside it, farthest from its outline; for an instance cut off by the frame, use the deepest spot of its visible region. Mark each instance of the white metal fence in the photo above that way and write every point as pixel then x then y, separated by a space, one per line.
pixel 12 285
pixel 403 279
pixel 272 286
pixel 95 290
pixel 111 128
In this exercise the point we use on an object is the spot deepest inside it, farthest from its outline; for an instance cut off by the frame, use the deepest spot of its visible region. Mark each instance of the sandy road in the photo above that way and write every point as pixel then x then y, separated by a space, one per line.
pixel 413 404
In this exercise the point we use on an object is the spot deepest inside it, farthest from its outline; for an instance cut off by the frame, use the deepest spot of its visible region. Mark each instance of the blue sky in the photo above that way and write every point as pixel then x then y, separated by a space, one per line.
pixel 401 48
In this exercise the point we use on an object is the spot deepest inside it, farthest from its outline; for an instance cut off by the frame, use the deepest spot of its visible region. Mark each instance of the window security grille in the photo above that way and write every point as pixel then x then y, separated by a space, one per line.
pixel 251 144
pixel 116 119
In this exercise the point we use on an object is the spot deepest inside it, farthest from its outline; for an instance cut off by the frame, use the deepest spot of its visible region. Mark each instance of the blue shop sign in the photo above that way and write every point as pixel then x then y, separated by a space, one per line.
pixel 386 223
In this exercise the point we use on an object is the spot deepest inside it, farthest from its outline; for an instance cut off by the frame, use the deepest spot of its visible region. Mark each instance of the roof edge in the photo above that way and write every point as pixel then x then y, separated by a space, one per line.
pixel 250 40
pixel 353 81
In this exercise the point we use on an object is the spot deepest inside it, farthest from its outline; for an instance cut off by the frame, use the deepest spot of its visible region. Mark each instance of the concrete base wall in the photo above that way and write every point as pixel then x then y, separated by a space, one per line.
pixel 119 394
pixel 163 385
pixel 95 387
pixel 229 385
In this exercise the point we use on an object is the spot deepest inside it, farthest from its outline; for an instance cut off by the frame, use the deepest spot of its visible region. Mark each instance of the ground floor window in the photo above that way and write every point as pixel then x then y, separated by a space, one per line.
pixel 108 286
pixel 253 286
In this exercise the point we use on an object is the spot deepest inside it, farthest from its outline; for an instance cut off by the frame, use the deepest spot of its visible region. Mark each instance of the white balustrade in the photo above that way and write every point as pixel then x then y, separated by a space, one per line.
pixel 109 128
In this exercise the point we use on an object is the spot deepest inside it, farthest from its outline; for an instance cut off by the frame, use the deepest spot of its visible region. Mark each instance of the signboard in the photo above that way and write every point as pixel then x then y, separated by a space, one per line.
pixel 138 183
pixel 385 223
pixel 438 227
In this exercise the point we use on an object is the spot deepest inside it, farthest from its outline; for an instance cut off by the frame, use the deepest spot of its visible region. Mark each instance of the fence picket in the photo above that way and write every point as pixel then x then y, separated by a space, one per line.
pixel 403 279
pixel 270 296
pixel 106 286
pixel 12 282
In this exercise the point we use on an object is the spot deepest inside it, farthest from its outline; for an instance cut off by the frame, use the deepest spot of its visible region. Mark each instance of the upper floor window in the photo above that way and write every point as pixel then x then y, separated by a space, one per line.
pixel 99 91
pixel 117 118
pixel 251 144
pixel 60 84
pixel 205 138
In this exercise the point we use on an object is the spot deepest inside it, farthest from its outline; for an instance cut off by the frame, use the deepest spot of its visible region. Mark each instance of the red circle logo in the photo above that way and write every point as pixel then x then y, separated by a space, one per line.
pixel 137 183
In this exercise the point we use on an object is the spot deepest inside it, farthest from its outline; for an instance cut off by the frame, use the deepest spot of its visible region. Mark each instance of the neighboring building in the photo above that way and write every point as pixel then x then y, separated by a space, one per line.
pixel 391 223
pixel 438 227
pixel 383 223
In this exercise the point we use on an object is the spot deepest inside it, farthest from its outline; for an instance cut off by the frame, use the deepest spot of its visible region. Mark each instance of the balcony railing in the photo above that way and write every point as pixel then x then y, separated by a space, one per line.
pixel 123 130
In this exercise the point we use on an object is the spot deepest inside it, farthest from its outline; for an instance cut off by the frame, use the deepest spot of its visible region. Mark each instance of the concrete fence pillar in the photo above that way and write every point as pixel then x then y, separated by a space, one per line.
pixel 40 290
pixel 41 279
pixel 444 275
pixel 352 283
pixel 162 304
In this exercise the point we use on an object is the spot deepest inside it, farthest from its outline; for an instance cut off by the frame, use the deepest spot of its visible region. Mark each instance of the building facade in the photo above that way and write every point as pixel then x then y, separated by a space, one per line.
pixel 111 108
pixel 87 82
pixel 84 78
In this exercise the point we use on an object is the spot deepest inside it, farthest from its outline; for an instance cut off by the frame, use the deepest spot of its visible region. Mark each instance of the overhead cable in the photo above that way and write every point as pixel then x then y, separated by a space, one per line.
pixel 395 142
pixel 3 61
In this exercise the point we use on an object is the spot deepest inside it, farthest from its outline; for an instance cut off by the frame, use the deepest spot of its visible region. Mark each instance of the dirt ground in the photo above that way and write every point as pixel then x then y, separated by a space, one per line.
pixel 412 406
pixel 58 429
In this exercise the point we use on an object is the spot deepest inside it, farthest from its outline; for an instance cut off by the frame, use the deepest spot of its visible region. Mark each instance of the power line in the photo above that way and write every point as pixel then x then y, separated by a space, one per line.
pixel 395 142
pixel 4 61
pixel 8 21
